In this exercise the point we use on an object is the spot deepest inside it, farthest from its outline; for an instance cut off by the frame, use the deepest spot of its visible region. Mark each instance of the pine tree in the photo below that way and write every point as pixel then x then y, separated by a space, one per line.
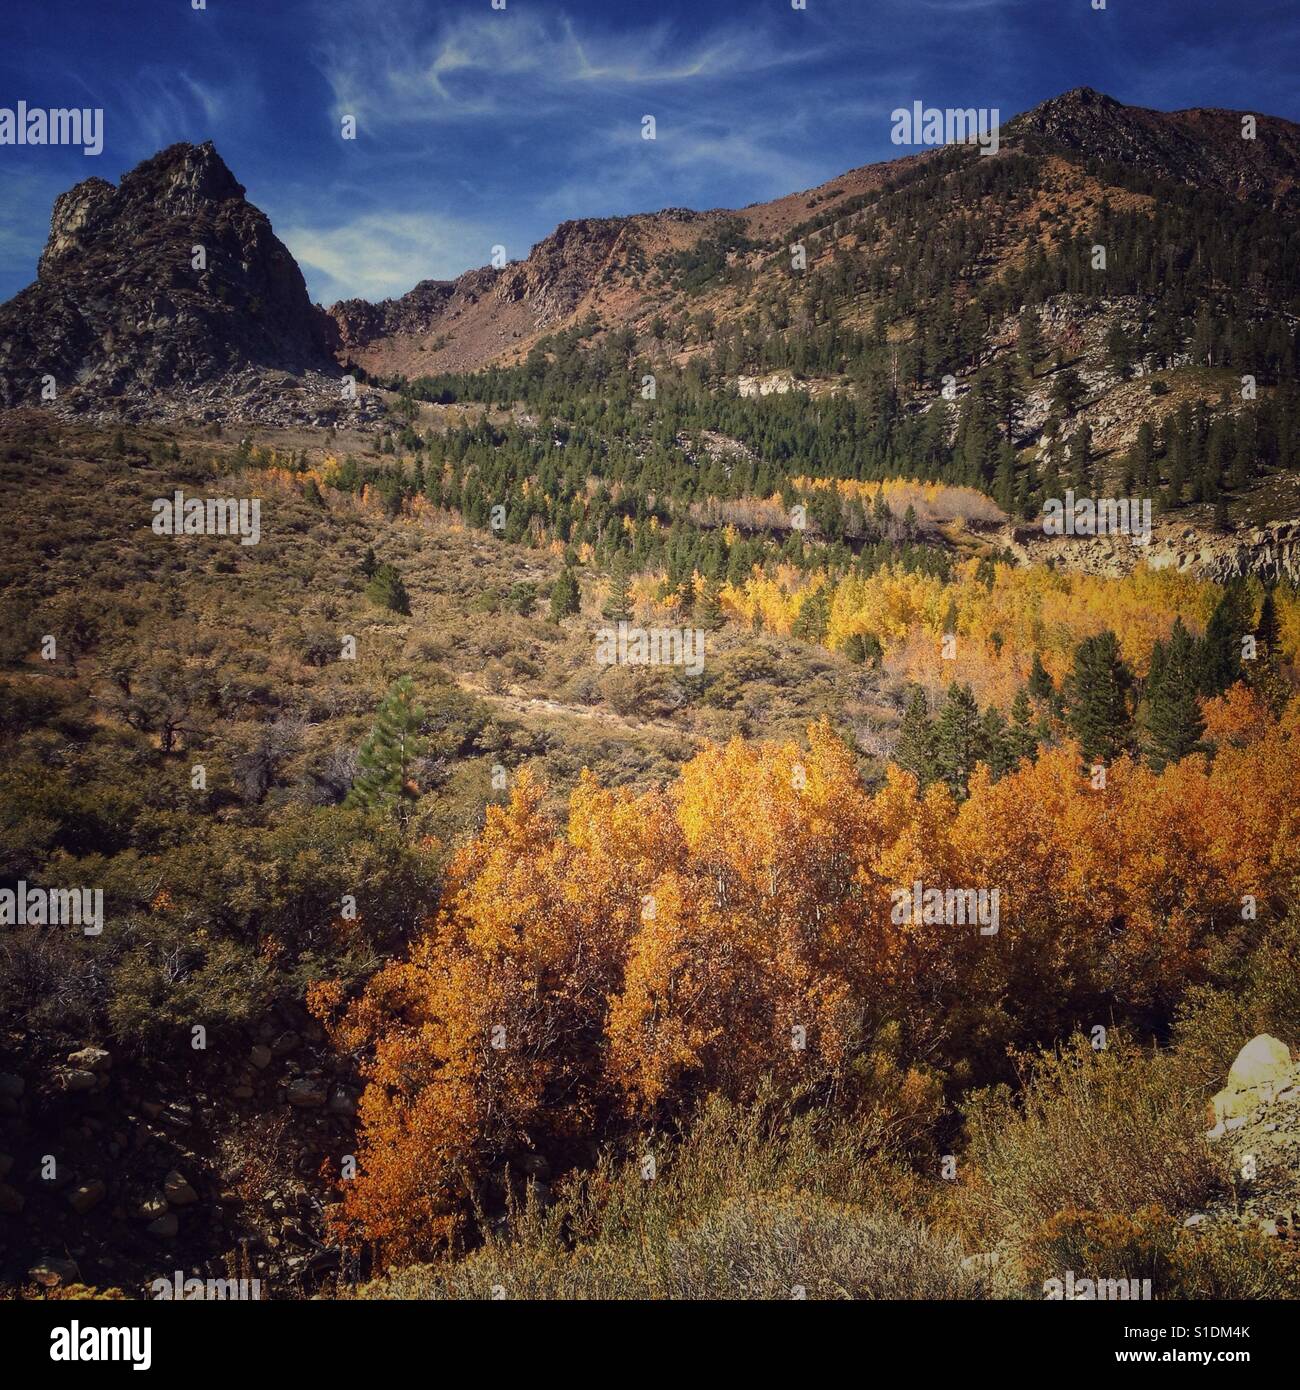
pixel 387 590
pixel 1173 725
pixel 1004 483
pixel 1096 696
pixel 994 743
pixel 1022 742
pixel 708 608
pixel 368 562
pixel 914 751
pixel 1118 351
pixel 1067 392
pixel 950 619
pixel 1040 686
pixel 1220 657
pixel 565 596
pixel 1265 672
pixel 864 649
pixel 1268 631
pixel 618 606
pixel 386 761
pixel 1029 343
pixel 814 616
pixel 957 739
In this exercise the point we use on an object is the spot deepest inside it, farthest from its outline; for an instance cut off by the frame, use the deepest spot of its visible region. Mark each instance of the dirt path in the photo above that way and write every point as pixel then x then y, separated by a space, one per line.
pixel 615 723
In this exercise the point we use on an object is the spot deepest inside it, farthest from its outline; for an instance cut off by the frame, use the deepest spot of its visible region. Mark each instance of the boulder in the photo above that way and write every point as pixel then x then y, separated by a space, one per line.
pixel 1262 1069
pixel 87 1195
pixel 1261 1061
pixel 177 1190
pixel 91 1058
pixel 305 1093
pixel 260 1056
pixel 165 1227
pixel 51 1270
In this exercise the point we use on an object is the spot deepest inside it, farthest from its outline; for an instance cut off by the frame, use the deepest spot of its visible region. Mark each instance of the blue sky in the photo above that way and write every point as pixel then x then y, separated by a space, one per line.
pixel 479 126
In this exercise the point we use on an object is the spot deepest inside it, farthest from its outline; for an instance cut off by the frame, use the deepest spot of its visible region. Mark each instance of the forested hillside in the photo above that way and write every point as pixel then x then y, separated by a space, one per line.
pixel 645 805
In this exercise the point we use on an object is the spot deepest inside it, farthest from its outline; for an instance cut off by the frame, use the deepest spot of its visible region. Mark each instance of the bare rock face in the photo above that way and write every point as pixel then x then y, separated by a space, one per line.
pixel 127 310
pixel 533 294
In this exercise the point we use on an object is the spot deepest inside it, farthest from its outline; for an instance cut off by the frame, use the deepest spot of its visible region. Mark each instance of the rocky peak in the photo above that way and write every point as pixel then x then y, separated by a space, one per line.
pixel 1199 146
pixel 121 313
pixel 183 179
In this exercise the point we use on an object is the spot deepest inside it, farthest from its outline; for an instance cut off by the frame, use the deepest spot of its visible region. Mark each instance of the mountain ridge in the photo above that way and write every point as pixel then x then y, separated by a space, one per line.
pixel 120 318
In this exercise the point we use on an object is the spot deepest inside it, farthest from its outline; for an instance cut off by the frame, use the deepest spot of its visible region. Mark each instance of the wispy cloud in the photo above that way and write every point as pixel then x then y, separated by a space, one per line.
pixel 380 255
pixel 392 67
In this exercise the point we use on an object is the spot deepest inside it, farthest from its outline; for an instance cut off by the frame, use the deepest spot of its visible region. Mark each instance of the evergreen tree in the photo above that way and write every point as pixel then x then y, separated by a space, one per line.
pixel 995 746
pixel 1096 697
pixel 1220 657
pixel 1022 742
pixel 957 741
pixel 1268 631
pixel 1029 343
pixel 1118 351
pixel 618 606
pixel 1067 392
pixel 814 616
pixel 914 751
pixel 1265 672
pixel 950 619
pixel 565 596
pixel 864 649
pixel 1040 685
pixel 368 562
pixel 385 780
pixel 1173 725
pixel 387 590
pixel 708 608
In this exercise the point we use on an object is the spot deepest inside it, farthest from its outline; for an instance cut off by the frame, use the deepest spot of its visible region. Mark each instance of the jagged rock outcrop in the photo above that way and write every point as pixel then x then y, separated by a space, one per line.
pixel 1270 552
pixel 126 313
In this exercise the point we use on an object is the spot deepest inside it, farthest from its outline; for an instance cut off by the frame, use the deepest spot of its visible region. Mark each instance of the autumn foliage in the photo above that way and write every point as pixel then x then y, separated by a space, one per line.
pixel 737 927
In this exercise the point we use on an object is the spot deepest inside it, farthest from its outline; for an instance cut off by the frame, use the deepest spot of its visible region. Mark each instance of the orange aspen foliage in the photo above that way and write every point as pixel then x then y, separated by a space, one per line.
pixel 743 927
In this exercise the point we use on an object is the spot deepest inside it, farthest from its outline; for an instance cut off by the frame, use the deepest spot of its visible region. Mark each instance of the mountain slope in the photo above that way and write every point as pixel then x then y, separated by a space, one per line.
pixel 607 269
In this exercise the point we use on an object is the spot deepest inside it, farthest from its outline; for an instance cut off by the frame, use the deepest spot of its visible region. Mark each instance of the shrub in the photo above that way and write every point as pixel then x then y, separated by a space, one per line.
pixel 1113 1131
pixel 1220 1261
